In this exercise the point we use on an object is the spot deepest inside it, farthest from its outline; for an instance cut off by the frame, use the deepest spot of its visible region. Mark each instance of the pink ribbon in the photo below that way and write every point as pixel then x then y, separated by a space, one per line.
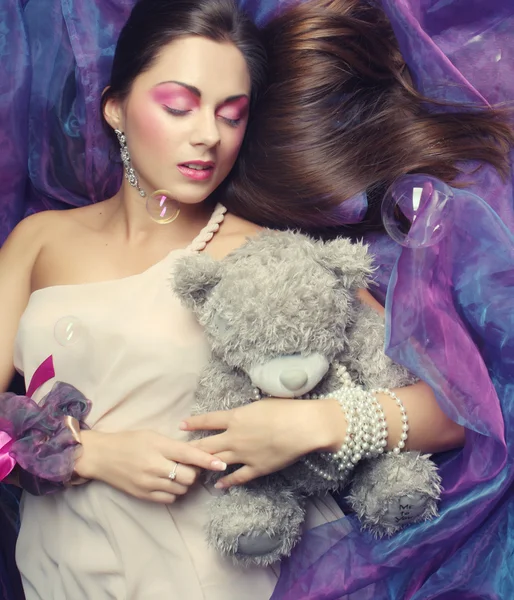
pixel 43 373
pixel 7 463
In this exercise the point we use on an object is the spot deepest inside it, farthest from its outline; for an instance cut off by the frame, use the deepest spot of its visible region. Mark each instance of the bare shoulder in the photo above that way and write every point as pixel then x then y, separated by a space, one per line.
pixel 27 238
pixel 72 220
pixel 234 232
pixel 44 229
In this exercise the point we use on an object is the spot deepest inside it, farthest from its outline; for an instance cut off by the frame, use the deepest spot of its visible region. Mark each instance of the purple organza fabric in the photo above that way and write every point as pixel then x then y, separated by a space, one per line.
pixel 449 307
pixel 43 445
pixel 55 60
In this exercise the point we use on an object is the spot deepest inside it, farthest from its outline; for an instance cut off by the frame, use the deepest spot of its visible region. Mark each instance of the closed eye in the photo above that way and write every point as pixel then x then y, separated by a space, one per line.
pixel 176 111
pixel 231 122
pixel 182 113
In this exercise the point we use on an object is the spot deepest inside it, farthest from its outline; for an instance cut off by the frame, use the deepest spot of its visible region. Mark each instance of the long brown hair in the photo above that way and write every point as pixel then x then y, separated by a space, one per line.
pixel 340 115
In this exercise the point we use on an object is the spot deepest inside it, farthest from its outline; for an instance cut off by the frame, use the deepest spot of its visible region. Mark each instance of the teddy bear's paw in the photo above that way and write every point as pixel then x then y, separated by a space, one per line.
pixel 255 526
pixel 392 492
pixel 258 544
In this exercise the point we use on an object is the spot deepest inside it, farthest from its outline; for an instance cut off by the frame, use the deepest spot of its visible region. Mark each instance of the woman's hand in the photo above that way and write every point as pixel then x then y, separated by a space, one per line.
pixel 140 463
pixel 268 435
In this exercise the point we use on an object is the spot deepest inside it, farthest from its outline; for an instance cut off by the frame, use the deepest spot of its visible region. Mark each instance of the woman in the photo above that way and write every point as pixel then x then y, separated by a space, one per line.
pixel 208 115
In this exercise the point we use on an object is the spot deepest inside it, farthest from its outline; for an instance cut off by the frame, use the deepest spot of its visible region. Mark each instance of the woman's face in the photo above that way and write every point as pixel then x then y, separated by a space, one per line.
pixel 185 117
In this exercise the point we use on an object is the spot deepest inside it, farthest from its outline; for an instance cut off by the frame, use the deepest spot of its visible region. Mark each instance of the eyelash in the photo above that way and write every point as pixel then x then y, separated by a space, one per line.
pixel 175 112
pixel 231 122
pixel 182 113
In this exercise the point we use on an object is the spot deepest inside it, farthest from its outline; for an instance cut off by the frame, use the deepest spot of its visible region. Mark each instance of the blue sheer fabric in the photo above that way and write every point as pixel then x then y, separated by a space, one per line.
pixel 449 306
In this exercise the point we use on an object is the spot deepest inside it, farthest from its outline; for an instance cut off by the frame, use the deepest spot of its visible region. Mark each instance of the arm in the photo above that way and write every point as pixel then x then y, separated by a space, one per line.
pixel 17 258
pixel 268 435
pixel 430 429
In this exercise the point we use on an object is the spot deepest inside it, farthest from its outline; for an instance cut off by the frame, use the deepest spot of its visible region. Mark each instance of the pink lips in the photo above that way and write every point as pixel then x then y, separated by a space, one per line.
pixel 200 174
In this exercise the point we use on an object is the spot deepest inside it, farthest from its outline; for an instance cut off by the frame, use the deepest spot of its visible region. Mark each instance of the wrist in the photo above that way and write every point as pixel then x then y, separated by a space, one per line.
pixel 89 463
pixel 330 425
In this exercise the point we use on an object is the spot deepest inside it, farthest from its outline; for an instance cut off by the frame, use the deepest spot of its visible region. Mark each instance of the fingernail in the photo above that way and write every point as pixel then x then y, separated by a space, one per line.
pixel 218 464
pixel 183 426
pixel 219 485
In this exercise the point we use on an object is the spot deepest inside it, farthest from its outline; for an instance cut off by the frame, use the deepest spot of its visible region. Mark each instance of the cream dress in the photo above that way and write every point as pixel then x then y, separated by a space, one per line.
pixel 136 353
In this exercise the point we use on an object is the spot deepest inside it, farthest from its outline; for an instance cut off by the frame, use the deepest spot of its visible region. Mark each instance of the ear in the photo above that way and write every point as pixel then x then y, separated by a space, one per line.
pixel 349 261
pixel 113 111
pixel 194 277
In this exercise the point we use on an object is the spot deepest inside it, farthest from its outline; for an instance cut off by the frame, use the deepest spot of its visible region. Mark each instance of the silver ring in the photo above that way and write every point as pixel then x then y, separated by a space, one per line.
pixel 173 474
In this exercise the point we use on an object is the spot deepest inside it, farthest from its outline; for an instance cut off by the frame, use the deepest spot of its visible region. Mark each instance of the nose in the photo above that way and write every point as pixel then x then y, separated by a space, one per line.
pixel 293 379
pixel 206 131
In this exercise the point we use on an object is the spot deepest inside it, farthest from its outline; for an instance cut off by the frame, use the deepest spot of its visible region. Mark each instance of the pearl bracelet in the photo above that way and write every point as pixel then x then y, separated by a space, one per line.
pixel 366 435
pixel 405 421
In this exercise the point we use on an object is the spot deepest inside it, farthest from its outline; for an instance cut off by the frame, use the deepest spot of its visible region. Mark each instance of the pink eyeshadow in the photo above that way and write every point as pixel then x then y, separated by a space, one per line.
pixel 237 109
pixel 175 96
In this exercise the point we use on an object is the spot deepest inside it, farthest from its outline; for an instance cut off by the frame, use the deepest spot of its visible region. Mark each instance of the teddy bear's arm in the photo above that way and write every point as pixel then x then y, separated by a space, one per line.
pixel 365 357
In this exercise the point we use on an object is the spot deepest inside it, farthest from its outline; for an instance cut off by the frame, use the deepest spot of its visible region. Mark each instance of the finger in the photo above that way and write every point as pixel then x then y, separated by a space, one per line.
pixel 213 444
pixel 184 474
pixel 161 497
pixel 229 457
pixel 171 487
pixel 208 421
pixel 239 477
pixel 190 455
pixel 164 484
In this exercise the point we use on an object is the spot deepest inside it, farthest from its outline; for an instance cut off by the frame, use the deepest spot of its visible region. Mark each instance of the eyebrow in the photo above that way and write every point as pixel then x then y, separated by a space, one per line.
pixel 196 92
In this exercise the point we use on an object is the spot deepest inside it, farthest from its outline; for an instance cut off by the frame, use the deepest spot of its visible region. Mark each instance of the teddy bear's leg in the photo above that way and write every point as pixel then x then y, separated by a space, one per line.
pixel 391 492
pixel 255 526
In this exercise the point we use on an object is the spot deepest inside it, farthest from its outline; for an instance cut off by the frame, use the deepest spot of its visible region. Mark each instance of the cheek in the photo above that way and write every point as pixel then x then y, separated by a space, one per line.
pixel 233 143
pixel 151 127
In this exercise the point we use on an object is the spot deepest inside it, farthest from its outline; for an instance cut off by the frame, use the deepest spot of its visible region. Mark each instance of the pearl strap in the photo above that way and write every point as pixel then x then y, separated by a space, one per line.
pixel 205 236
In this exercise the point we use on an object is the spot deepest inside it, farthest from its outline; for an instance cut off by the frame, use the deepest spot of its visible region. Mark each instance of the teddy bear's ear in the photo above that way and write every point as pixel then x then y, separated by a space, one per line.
pixel 194 277
pixel 349 261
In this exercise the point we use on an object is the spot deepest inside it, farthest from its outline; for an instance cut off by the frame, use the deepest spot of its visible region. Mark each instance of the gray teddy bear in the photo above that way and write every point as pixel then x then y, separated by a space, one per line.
pixel 283 319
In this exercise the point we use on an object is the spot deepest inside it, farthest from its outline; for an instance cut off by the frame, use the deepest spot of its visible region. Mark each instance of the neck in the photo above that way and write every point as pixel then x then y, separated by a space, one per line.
pixel 130 214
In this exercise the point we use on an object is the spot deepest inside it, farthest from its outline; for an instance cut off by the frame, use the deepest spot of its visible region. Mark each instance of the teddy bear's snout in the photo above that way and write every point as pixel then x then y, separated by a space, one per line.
pixel 293 379
pixel 289 376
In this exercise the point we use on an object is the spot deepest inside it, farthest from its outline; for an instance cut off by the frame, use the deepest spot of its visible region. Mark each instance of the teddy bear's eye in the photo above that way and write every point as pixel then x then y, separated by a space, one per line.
pixel 221 324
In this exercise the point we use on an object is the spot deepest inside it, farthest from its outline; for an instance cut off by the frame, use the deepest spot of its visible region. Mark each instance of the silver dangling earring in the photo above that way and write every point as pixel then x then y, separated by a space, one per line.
pixel 130 174
pixel 161 207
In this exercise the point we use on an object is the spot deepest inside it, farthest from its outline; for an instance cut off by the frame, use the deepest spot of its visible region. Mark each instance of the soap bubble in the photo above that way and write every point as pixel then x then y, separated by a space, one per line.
pixel 68 330
pixel 417 210
pixel 162 208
